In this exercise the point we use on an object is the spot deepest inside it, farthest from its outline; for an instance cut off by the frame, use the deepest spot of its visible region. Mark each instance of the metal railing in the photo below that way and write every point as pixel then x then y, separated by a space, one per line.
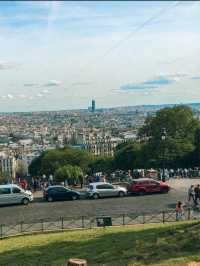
pixel 88 222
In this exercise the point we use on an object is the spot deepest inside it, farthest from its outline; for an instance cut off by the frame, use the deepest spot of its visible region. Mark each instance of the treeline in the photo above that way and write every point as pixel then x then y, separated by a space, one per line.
pixel 171 139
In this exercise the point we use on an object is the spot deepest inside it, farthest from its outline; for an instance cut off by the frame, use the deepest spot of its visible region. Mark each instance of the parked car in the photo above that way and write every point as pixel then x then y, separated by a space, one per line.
pixel 13 194
pixel 53 193
pixel 144 186
pixel 102 189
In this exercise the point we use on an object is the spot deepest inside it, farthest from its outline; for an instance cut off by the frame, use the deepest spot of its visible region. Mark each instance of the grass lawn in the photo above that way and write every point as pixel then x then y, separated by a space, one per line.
pixel 170 244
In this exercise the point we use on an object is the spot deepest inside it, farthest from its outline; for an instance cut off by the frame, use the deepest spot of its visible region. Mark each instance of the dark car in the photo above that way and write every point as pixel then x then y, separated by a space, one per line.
pixel 60 193
pixel 143 186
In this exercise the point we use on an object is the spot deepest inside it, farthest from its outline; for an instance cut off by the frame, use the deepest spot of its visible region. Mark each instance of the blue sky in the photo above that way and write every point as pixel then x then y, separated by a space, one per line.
pixel 60 55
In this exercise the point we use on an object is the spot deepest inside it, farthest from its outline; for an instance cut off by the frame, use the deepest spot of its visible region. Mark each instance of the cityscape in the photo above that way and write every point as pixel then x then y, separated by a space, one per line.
pixel 99 133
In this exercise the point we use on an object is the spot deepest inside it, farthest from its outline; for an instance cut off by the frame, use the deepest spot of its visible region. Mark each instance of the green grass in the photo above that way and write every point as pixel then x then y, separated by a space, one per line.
pixel 166 245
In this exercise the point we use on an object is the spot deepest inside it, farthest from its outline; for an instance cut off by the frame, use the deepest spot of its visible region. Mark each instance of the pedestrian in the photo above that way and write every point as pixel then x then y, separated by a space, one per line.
pixel 179 211
pixel 191 194
pixel 196 194
pixel 35 185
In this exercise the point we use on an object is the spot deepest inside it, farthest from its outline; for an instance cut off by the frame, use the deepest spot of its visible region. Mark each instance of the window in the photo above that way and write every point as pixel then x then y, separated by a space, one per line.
pixel 105 186
pixel 5 190
pixel 60 189
pixel 16 190
pixel 100 187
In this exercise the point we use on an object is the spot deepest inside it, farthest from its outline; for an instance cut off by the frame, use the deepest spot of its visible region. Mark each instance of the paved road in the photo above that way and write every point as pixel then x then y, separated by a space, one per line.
pixel 130 204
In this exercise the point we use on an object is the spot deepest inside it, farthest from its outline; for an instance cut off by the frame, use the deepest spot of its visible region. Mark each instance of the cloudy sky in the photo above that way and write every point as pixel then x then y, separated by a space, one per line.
pixel 61 55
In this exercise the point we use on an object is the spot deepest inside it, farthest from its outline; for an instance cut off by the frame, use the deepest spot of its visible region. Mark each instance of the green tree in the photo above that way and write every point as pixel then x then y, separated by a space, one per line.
pixel 180 126
pixel 51 160
pixel 21 169
pixel 5 178
pixel 69 173
pixel 128 156
pixel 101 164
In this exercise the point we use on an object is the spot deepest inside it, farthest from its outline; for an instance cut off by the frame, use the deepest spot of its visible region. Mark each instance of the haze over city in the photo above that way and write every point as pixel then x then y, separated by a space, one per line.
pixel 60 55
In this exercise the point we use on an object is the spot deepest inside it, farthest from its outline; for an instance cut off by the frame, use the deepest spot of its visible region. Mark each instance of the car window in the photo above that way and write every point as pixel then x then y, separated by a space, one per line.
pixel 60 189
pixel 5 190
pixel 100 186
pixel 16 190
pixel 90 187
pixel 107 186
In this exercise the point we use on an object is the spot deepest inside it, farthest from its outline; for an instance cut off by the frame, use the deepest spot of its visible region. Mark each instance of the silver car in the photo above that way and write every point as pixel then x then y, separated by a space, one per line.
pixel 102 189
pixel 13 194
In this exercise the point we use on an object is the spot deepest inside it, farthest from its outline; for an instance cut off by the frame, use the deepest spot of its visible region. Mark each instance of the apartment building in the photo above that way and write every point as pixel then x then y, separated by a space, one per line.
pixel 8 165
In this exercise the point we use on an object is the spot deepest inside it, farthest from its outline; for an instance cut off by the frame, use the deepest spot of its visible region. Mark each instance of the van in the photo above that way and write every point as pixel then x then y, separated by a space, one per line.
pixel 13 194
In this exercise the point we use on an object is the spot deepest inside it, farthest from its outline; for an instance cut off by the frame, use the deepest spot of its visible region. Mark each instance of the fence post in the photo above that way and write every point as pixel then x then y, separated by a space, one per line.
pixel 82 219
pixel 21 227
pixel 1 231
pixel 62 223
pixel 189 213
pixel 123 219
pixel 163 216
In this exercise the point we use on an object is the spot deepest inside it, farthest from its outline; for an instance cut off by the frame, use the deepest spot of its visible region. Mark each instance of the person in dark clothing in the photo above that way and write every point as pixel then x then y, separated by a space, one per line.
pixel 196 194
pixel 35 185
pixel 191 193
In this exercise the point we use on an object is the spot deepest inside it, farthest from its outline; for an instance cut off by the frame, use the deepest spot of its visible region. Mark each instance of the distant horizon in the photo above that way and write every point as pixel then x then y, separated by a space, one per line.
pixel 104 108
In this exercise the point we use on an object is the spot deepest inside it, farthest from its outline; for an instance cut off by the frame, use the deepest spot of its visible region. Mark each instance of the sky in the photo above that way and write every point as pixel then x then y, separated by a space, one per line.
pixel 61 55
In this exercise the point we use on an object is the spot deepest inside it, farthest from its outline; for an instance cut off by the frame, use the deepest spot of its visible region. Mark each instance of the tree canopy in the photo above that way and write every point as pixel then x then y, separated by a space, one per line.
pixel 69 173
pixel 51 160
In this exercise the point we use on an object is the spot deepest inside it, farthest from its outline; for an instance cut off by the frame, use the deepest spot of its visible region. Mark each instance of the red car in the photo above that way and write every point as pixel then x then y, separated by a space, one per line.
pixel 144 186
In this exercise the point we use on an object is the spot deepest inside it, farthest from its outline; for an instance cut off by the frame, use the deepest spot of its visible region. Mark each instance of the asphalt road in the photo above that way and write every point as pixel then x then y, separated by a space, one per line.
pixel 130 204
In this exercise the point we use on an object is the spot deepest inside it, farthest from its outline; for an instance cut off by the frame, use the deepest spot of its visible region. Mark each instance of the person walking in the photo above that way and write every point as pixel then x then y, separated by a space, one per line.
pixel 191 194
pixel 196 194
pixel 179 211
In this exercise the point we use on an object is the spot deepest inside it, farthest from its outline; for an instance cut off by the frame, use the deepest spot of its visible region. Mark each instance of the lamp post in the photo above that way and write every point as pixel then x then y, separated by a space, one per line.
pixel 163 138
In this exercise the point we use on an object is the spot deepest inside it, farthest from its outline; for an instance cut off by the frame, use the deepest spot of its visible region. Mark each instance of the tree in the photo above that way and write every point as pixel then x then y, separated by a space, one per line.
pixel 101 164
pixel 194 157
pixel 51 160
pixel 5 178
pixel 69 173
pixel 21 169
pixel 128 156
pixel 180 126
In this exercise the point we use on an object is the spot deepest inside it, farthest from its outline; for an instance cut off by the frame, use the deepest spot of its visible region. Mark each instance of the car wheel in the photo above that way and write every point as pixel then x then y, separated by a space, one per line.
pixel 121 194
pixel 141 193
pixel 74 197
pixel 25 201
pixel 49 199
pixel 95 196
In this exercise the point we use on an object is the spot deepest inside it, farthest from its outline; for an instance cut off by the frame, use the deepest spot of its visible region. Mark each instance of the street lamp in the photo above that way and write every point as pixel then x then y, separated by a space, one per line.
pixel 163 138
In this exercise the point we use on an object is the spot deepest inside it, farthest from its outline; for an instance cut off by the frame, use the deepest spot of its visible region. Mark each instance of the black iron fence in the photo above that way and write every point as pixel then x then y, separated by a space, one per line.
pixel 85 222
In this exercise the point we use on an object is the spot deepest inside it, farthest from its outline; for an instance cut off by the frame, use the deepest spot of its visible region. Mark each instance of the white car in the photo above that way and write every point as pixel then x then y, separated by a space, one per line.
pixel 102 189
pixel 13 194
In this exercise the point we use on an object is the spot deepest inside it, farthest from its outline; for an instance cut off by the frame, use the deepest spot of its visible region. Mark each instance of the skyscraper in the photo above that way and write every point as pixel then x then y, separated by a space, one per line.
pixel 93 106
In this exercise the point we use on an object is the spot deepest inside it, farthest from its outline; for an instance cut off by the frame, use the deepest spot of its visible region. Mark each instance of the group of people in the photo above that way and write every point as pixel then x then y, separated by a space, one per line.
pixel 193 197
pixel 194 194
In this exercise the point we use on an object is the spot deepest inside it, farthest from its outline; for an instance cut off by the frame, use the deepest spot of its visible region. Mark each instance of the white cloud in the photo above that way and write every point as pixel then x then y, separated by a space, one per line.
pixel 39 95
pixel 45 91
pixel 10 96
pixel 6 65
pixel 22 96
pixel 53 83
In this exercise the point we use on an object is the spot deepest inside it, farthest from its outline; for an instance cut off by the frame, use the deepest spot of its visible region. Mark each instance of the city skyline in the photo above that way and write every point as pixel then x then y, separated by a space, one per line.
pixel 61 55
